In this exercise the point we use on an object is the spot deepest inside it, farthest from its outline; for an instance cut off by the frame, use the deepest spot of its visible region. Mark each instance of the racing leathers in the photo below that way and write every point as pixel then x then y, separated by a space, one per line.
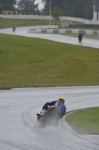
pixel 58 104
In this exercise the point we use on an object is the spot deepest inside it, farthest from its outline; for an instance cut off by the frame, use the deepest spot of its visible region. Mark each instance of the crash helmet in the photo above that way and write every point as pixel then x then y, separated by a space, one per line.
pixel 61 99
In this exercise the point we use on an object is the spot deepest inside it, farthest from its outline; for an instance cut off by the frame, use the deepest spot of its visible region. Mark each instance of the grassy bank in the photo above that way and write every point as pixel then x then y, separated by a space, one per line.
pixel 6 23
pixel 31 62
pixel 85 121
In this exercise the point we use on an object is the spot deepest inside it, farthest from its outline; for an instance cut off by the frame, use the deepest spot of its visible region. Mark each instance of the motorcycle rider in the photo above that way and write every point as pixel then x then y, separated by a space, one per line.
pixel 13 28
pixel 59 104
pixel 80 37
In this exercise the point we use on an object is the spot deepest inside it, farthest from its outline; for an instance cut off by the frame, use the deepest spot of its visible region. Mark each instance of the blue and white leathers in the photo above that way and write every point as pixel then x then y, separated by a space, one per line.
pixel 62 108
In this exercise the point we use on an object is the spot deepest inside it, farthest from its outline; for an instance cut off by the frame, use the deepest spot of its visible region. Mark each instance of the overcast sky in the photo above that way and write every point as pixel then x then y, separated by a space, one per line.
pixel 40 4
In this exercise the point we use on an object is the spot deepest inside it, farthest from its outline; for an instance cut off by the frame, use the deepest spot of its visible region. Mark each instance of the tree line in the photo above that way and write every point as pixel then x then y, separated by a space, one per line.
pixel 27 7
pixel 72 8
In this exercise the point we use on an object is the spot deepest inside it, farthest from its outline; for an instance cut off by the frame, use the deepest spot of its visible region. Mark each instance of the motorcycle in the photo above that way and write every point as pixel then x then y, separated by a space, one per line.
pixel 13 29
pixel 50 117
pixel 80 37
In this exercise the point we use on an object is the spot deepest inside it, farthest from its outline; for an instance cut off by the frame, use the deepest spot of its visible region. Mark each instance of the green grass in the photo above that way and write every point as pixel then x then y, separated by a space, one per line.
pixel 31 62
pixel 85 121
pixel 6 23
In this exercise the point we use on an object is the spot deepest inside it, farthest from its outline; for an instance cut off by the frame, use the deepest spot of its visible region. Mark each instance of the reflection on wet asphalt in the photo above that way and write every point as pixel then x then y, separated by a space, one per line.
pixel 18 108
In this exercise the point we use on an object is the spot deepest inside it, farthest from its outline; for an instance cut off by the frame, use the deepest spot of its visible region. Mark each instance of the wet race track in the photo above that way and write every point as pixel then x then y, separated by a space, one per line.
pixel 18 108
pixel 22 31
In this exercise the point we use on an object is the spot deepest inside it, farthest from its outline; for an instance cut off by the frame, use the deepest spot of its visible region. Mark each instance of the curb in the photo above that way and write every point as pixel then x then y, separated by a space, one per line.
pixel 61 31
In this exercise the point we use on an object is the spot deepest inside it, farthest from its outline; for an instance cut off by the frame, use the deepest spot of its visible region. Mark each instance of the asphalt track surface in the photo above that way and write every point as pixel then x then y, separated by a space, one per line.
pixel 22 31
pixel 18 108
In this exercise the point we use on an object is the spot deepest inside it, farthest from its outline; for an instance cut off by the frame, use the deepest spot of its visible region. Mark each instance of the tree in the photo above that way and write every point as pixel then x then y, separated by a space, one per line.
pixel 56 13
pixel 73 8
pixel 54 3
pixel 28 7
pixel 7 5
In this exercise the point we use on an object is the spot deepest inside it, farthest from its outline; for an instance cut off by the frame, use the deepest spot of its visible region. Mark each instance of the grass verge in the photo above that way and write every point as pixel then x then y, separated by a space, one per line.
pixel 6 23
pixel 85 121
pixel 32 62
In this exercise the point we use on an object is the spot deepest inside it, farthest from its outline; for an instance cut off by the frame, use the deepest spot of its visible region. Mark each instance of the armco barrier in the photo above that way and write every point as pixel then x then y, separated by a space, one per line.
pixel 95 33
pixel 55 31
pixel 43 31
pixel 68 31
pixel 82 31
pixel 63 31
pixel 83 26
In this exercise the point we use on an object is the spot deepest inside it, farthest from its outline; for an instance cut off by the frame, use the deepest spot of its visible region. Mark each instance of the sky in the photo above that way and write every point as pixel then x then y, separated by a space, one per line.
pixel 40 4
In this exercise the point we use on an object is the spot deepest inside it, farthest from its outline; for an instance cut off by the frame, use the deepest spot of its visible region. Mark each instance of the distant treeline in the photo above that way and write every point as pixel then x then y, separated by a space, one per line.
pixel 72 8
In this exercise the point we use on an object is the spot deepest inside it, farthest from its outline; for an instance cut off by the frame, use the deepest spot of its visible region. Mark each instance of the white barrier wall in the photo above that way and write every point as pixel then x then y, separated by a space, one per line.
pixel 60 31
pixel 26 17
pixel 49 17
